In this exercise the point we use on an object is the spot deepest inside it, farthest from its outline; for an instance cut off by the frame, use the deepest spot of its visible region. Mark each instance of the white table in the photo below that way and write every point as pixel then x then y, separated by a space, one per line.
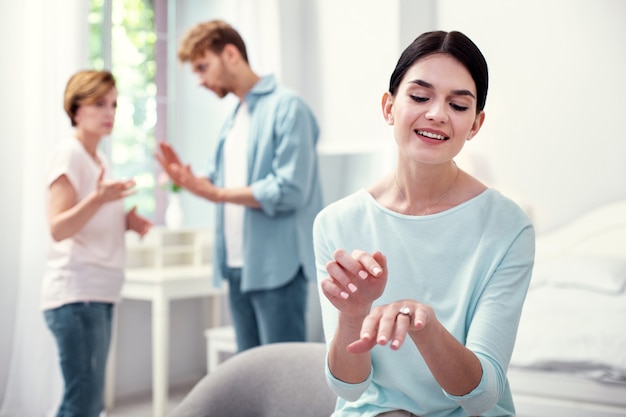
pixel 160 286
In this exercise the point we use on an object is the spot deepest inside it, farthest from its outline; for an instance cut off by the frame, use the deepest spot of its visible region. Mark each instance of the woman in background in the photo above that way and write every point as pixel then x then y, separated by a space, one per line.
pixel 424 274
pixel 85 265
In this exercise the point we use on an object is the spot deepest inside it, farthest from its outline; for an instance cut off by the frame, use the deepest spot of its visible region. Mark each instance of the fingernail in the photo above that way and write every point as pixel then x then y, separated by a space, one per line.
pixel 363 274
pixel 344 295
pixel 376 270
pixel 395 343
pixel 365 335
pixel 352 287
pixel 382 340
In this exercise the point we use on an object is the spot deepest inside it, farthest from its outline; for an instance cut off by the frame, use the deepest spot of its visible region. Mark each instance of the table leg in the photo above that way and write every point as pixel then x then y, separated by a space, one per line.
pixel 216 305
pixel 160 353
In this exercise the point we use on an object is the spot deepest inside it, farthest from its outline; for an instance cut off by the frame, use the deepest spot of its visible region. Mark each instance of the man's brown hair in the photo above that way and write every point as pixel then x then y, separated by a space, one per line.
pixel 211 36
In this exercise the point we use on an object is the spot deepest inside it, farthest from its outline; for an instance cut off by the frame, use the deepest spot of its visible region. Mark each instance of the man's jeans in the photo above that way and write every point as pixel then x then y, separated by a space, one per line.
pixel 83 334
pixel 268 316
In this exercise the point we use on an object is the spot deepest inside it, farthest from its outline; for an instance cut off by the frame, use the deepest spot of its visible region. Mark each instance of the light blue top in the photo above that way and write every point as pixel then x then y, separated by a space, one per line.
pixel 283 174
pixel 472 264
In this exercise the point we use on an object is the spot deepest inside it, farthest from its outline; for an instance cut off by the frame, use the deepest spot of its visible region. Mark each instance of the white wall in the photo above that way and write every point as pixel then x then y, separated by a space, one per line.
pixel 554 132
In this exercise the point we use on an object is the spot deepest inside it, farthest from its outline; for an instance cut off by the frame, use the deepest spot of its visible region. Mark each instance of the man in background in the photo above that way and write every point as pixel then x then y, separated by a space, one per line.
pixel 265 183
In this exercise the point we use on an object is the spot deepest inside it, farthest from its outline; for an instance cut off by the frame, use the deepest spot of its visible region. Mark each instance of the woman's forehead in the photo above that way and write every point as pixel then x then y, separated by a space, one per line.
pixel 440 71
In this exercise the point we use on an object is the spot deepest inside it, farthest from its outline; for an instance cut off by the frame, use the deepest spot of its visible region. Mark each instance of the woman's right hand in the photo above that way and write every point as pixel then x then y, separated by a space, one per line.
pixel 67 215
pixel 355 281
pixel 111 190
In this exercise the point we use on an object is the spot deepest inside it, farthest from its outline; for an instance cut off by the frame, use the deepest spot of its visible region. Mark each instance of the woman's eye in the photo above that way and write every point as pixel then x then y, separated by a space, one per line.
pixel 419 99
pixel 457 107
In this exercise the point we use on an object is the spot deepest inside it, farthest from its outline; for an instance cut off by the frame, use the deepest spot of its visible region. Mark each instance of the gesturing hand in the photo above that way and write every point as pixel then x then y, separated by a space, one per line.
pixel 137 223
pixel 110 190
pixel 355 281
pixel 170 162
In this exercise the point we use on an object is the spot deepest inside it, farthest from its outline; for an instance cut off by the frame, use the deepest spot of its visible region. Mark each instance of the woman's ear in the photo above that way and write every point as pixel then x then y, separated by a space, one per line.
pixel 387 107
pixel 478 122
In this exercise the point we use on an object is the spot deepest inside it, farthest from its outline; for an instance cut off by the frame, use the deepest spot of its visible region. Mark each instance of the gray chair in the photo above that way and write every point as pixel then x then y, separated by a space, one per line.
pixel 275 380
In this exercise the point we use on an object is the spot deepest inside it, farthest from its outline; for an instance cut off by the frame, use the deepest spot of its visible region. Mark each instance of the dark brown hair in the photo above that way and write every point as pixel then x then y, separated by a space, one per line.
pixel 452 43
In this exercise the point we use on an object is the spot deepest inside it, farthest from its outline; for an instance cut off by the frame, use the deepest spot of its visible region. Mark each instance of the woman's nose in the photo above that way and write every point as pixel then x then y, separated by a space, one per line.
pixel 437 112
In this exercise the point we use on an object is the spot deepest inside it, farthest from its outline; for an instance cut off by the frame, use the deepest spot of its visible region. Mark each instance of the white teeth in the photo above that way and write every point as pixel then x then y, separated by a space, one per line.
pixel 431 135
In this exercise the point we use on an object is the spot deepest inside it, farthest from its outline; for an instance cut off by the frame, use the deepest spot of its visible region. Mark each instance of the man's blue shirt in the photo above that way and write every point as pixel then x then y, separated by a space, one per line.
pixel 283 173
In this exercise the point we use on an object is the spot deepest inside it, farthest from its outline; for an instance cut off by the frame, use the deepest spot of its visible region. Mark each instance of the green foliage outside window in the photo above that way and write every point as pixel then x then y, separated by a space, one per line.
pixel 132 61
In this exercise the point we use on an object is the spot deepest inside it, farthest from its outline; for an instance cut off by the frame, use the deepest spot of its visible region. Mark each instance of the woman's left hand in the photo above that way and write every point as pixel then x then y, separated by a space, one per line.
pixel 391 323
pixel 137 223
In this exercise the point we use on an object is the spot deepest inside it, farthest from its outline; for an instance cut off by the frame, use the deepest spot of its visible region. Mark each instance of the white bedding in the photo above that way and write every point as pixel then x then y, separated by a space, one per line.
pixel 573 330
pixel 574 317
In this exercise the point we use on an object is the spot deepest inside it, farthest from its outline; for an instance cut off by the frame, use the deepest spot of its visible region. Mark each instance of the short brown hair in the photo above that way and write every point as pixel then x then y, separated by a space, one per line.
pixel 86 87
pixel 210 36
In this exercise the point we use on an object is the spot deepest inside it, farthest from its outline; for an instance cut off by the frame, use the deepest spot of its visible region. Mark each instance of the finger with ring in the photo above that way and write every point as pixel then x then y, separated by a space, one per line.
pixel 405 311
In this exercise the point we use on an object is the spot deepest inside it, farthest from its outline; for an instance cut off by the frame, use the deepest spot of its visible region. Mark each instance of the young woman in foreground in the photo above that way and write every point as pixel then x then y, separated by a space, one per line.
pixel 424 274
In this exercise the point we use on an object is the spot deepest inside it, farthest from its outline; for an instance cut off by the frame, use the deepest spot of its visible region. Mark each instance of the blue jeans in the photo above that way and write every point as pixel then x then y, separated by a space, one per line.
pixel 268 316
pixel 83 335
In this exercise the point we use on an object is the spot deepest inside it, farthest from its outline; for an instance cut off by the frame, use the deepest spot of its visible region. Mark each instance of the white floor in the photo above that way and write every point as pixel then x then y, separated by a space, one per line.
pixel 142 406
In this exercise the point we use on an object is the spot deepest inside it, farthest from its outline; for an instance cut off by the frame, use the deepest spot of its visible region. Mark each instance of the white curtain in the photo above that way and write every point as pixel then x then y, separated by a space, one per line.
pixel 52 39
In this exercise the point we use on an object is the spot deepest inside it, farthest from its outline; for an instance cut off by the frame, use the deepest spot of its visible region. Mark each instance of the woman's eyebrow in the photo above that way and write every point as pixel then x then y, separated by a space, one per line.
pixel 426 84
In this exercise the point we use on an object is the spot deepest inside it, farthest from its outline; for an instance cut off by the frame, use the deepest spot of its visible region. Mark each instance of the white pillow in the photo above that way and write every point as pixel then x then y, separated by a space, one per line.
pixel 605 274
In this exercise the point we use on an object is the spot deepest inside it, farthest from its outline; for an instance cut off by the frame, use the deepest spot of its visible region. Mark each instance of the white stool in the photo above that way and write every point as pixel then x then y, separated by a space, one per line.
pixel 219 340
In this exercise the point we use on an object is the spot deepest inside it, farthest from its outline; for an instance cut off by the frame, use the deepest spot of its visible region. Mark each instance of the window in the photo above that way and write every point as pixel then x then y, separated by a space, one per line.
pixel 123 39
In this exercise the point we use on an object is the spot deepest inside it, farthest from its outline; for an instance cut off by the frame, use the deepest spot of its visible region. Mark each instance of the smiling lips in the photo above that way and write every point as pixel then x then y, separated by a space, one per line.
pixel 431 135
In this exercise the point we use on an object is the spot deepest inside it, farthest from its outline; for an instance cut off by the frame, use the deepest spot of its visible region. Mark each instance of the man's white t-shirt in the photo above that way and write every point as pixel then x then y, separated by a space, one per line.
pixel 89 266
pixel 236 175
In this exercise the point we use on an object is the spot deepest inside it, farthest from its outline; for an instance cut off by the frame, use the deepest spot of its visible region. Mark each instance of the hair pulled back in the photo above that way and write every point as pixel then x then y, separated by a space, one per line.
pixel 455 44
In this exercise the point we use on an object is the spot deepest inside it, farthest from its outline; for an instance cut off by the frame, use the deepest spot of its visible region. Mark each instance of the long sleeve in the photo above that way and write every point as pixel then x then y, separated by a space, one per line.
pixel 471 263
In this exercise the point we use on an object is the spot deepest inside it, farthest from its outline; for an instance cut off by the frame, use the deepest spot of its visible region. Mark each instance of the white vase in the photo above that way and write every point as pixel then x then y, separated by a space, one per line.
pixel 174 216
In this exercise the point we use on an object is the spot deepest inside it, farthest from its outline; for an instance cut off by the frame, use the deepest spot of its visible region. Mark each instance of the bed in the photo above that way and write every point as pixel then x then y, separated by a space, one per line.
pixel 570 354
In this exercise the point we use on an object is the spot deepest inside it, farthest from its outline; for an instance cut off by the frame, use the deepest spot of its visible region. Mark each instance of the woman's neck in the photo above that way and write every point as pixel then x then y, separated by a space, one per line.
pixel 434 190
pixel 89 142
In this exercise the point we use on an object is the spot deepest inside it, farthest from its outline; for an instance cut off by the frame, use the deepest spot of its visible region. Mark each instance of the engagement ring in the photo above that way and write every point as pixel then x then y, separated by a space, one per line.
pixel 405 311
